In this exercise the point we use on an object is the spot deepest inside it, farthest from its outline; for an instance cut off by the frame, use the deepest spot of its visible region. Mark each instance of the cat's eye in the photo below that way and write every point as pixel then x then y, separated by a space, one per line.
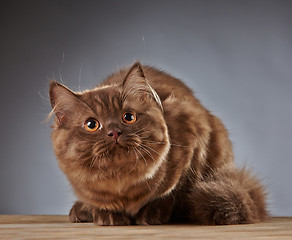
pixel 91 125
pixel 129 117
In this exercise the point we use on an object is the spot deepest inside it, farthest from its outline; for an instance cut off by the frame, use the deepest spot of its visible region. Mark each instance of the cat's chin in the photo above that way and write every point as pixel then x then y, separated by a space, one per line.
pixel 114 152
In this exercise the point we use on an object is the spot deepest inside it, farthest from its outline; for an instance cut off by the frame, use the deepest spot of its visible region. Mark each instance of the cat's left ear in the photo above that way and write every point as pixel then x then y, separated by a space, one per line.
pixel 136 84
pixel 134 76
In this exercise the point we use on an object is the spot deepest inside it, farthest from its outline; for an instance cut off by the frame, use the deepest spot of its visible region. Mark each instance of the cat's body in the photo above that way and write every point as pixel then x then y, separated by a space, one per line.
pixel 140 148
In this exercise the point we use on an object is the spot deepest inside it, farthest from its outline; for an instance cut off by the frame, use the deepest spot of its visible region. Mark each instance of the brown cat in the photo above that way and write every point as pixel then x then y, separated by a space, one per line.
pixel 141 149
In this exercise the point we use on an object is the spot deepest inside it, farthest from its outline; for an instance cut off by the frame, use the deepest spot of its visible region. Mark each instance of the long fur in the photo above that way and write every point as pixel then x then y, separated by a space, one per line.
pixel 174 162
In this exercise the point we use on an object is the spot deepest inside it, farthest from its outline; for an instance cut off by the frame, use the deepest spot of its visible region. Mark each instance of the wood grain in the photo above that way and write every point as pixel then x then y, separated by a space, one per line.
pixel 58 227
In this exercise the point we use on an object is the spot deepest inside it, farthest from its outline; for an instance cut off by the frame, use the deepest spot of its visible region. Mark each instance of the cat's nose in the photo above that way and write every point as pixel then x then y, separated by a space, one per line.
pixel 115 134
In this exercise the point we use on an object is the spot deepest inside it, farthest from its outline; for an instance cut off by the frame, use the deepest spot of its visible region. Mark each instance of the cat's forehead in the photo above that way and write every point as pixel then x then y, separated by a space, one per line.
pixel 105 99
pixel 104 94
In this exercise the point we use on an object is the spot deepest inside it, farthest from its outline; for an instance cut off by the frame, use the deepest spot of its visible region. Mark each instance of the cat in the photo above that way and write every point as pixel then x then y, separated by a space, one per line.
pixel 141 149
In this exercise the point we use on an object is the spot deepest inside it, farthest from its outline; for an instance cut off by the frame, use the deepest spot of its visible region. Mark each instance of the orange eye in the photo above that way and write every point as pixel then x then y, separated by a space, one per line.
pixel 129 117
pixel 91 125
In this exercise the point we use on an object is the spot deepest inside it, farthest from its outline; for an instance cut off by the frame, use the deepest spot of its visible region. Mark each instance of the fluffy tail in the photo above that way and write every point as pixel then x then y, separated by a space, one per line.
pixel 228 197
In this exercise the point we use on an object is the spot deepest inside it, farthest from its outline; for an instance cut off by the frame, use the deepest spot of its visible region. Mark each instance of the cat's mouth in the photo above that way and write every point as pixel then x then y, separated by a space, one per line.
pixel 115 147
pixel 112 156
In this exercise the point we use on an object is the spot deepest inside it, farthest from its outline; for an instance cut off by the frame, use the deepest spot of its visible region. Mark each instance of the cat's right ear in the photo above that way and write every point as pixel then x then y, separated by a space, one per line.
pixel 63 102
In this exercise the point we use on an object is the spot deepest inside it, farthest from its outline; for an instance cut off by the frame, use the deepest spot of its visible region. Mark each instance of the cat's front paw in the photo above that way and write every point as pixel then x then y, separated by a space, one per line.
pixel 80 213
pixel 149 216
pixel 155 213
pixel 107 218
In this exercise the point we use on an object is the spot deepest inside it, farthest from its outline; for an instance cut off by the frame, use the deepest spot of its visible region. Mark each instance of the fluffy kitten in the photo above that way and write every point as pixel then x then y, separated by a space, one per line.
pixel 141 149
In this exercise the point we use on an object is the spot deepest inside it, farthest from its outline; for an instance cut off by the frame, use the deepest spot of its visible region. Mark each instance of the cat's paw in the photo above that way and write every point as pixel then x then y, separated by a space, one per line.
pixel 80 213
pixel 107 218
pixel 155 213
pixel 148 216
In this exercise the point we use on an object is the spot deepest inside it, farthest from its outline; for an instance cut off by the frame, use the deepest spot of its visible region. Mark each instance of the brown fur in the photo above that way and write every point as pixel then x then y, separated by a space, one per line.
pixel 175 163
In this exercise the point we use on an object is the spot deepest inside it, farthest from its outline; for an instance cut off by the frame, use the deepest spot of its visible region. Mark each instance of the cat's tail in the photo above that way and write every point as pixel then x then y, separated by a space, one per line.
pixel 229 196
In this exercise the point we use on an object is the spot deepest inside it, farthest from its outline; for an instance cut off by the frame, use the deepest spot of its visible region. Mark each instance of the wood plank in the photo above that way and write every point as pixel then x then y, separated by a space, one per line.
pixel 56 227
pixel 31 219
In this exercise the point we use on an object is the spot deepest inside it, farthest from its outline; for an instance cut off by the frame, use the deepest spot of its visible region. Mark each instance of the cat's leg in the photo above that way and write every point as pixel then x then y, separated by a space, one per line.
pixel 156 212
pixel 227 197
pixel 108 218
pixel 80 213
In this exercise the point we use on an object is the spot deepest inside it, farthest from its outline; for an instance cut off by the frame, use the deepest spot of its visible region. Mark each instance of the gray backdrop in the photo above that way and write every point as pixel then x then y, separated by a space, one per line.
pixel 235 55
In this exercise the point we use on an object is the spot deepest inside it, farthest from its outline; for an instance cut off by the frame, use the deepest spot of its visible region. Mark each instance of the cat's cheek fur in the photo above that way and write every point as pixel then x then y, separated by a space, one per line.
pixel 151 171
pixel 160 153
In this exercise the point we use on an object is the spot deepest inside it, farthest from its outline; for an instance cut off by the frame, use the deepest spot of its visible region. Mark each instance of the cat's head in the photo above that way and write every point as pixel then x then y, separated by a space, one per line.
pixel 111 130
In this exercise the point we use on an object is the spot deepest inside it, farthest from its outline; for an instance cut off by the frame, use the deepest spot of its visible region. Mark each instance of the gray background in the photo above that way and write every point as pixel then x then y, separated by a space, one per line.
pixel 235 55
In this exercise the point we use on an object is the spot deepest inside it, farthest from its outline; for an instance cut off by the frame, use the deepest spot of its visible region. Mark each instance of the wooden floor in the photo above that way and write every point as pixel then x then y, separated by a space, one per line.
pixel 58 227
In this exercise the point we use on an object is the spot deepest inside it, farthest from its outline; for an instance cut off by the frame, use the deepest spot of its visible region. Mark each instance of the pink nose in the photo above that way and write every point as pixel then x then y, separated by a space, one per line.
pixel 114 134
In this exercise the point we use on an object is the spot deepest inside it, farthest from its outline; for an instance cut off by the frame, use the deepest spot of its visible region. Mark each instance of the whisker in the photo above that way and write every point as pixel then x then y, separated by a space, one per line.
pixel 150 148
pixel 136 161
pixel 92 163
pixel 147 152
pixel 172 144
pixel 153 142
pixel 144 137
pixel 139 130
pixel 108 155
pixel 139 135
pixel 99 165
pixel 141 155
pixel 177 145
